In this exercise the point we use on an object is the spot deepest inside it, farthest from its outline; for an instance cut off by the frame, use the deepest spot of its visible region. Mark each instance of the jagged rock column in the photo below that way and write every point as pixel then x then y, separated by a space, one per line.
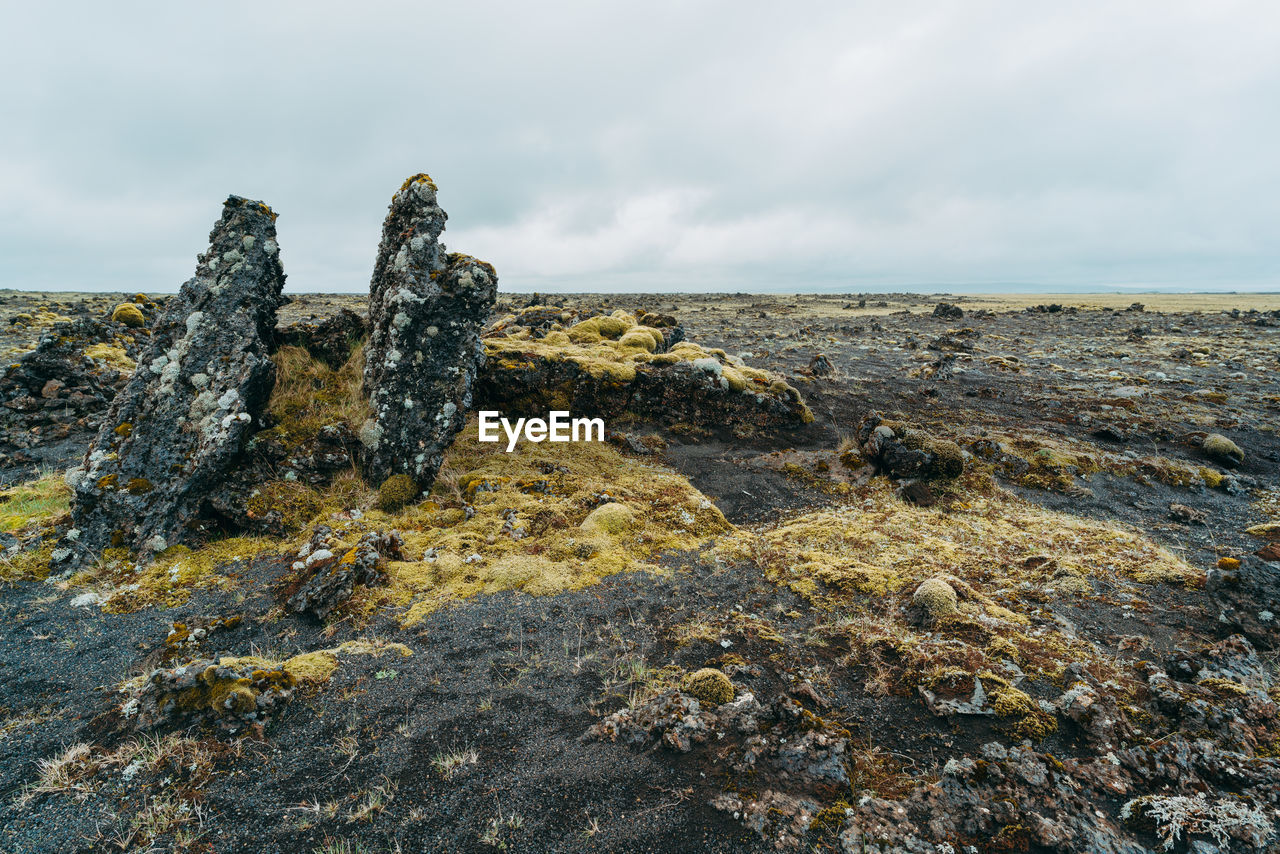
pixel 426 309
pixel 201 384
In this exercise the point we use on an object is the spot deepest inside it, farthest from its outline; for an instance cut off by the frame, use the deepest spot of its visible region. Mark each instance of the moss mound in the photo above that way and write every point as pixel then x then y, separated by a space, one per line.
pixel 397 491
pixel 936 598
pixel 129 314
pixel 1223 450
pixel 612 518
pixel 708 686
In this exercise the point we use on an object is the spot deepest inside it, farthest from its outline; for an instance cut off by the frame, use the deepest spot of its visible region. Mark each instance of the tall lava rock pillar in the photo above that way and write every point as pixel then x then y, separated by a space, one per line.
pixel 200 386
pixel 426 309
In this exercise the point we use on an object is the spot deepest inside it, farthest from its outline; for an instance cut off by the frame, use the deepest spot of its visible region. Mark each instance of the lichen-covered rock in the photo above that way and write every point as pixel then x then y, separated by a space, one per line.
pixel 331 578
pixel 904 452
pixel 426 309
pixel 229 691
pixel 174 430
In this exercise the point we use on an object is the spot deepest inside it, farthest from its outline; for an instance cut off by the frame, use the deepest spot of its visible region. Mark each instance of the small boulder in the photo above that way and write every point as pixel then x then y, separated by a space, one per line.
pixel 396 491
pixel 934 599
pixel 612 518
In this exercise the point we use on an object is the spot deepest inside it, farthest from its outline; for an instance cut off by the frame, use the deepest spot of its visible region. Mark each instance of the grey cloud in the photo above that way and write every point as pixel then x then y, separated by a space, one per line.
pixel 581 145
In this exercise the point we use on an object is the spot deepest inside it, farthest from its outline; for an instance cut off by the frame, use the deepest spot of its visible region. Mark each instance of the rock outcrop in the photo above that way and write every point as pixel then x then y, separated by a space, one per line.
pixel 426 309
pixel 202 382
pixel 626 371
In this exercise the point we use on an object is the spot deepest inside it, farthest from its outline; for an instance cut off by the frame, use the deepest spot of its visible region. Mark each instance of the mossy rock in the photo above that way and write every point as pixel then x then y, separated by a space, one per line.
pixel 612 518
pixel 397 491
pixel 129 314
pixel 1222 449
pixel 709 687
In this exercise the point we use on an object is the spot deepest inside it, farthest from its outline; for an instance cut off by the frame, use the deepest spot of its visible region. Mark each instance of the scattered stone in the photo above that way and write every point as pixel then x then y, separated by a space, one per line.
pixel 426 309
pixel 205 377
pixel 820 366
pixel 1186 515
pixel 332 578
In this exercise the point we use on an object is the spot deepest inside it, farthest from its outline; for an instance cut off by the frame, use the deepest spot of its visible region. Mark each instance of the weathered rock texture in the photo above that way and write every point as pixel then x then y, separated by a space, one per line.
pixel 426 309
pixel 330 578
pixel 202 382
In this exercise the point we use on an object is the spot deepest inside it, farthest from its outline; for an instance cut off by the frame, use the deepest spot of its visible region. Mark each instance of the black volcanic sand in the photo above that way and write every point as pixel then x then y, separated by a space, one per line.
pixel 519 679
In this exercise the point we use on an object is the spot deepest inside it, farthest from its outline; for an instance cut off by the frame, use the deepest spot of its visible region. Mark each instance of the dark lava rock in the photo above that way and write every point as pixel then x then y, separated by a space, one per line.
pixel 231 694
pixel 331 578
pixel 426 309
pixel 904 452
pixel 948 311
pixel 174 430
pixel 689 394
pixel 820 366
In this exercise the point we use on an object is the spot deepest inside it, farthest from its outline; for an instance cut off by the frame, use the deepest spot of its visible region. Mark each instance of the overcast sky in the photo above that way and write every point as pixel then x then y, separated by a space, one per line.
pixel 847 146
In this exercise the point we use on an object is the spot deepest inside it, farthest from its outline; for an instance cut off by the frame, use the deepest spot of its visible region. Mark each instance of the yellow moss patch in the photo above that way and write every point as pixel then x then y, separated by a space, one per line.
pixel 376 647
pixel 612 519
pixel 709 686
pixel 169 579
pixel 128 314
pixel 1031 722
pixel 116 357
pixel 526 531
pixel 887 543
pixel 312 668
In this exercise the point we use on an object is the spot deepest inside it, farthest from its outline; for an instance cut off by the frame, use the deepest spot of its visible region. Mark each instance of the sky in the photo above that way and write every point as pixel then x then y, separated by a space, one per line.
pixel 658 146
